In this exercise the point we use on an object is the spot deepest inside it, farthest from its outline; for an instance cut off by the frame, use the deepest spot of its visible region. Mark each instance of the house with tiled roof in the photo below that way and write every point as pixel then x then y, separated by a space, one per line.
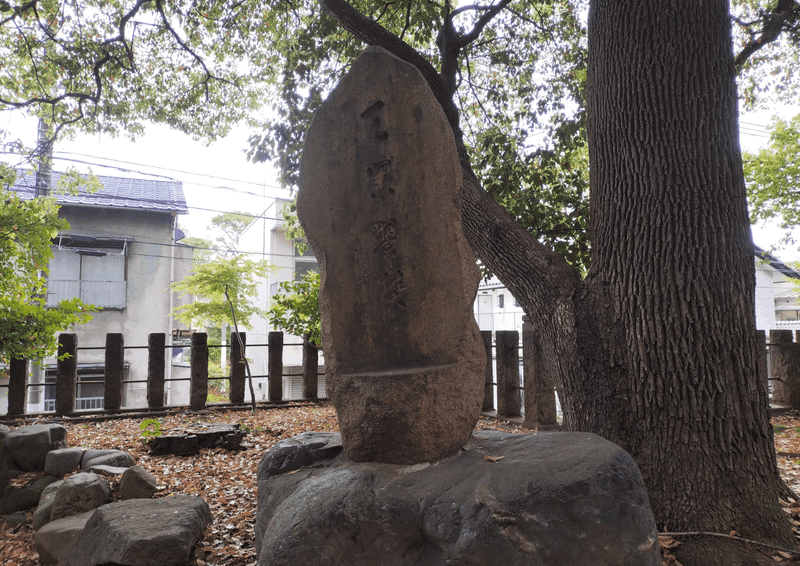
pixel 121 253
pixel 777 296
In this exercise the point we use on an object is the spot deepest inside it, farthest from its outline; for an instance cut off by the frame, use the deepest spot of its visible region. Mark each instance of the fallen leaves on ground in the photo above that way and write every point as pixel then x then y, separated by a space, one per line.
pixel 225 480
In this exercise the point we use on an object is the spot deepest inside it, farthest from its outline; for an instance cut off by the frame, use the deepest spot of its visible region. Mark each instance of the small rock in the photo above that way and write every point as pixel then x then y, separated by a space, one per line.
pixel 42 514
pixel 80 492
pixel 21 498
pixel 63 461
pixel 16 519
pixel 302 450
pixel 137 483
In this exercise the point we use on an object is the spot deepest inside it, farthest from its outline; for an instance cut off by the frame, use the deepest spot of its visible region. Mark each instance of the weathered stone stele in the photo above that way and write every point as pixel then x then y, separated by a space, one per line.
pixel 379 199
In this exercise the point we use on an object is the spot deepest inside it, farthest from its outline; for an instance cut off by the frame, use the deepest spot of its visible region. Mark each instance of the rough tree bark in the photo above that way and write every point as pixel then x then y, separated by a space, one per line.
pixel 655 349
pixel 672 269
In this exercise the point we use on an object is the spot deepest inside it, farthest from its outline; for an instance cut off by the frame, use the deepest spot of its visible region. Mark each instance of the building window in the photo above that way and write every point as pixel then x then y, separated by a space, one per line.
pixel 89 392
pixel 301 268
pixel 501 300
pixel 89 268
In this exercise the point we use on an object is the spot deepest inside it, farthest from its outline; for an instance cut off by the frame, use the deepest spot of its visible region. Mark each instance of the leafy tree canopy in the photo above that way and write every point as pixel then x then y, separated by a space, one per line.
pixel 100 66
pixel 211 281
pixel 766 36
pixel 203 249
pixel 515 70
pixel 773 177
pixel 232 225
pixel 295 308
pixel 27 327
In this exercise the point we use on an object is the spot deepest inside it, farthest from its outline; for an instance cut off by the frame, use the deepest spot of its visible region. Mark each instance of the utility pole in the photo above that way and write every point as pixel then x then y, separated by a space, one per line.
pixel 44 151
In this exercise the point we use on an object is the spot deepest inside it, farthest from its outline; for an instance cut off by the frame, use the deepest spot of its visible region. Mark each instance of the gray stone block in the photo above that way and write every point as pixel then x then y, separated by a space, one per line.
pixel 142 532
pixel 30 444
pixel 380 201
pixel 63 461
pixel 137 483
pixel 42 514
pixel 56 540
pixel 80 492
pixel 115 458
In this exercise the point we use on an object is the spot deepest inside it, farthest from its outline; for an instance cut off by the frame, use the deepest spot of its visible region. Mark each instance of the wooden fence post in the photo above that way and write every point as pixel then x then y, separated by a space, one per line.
pixel 115 361
pixel 237 373
pixel 310 369
pixel 540 395
pixel 66 373
pixel 17 386
pixel 488 387
pixel 508 397
pixel 156 356
pixel 275 371
pixel 198 388
pixel 784 361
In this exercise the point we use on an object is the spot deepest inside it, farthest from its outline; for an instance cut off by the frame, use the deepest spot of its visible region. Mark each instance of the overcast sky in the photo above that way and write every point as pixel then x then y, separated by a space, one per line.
pixel 218 178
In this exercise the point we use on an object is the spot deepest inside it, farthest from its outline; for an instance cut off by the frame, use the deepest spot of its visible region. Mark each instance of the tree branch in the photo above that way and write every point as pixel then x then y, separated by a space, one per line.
pixel 483 21
pixel 533 273
pixel 372 33
pixel 784 12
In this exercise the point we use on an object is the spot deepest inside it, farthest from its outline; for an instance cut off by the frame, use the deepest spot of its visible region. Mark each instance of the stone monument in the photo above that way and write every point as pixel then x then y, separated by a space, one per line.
pixel 407 481
pixel 380 202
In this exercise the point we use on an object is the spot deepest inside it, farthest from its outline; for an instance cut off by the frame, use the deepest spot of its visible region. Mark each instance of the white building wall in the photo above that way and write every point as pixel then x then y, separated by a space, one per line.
pixel 765 297
pixel 267 237
pixel 496 308
pixel 150 267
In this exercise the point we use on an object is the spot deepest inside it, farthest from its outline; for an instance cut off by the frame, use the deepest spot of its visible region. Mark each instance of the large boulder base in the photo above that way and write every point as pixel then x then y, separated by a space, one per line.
pixel 380 202
pixel 555 499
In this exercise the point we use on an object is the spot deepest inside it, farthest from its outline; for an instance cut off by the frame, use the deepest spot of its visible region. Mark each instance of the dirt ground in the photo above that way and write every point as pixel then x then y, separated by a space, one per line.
pixel 227 480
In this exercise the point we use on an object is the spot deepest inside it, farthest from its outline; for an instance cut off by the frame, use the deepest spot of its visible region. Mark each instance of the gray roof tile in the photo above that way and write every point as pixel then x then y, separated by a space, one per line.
pixel 117 192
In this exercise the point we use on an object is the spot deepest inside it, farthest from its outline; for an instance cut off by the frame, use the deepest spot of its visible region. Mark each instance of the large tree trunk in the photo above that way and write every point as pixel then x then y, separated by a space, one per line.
pixel 672 269
pixel 656 349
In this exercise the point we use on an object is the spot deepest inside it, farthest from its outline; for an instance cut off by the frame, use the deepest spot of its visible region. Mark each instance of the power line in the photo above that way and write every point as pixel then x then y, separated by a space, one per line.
pixel 254 183
pixel 155 167
pixel 142 200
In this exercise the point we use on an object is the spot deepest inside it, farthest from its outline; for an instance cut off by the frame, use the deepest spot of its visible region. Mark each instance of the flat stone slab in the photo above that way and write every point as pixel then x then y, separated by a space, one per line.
pixel 546 499
pixel 188 441
pixel 113 458
pixel 63 461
